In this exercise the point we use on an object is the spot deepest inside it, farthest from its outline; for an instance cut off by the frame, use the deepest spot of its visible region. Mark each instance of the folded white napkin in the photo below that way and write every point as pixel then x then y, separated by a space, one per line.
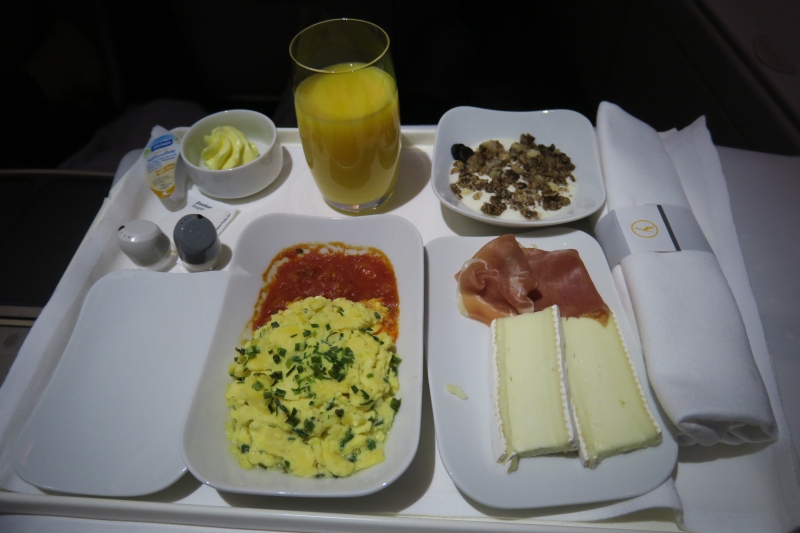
pixel 694 341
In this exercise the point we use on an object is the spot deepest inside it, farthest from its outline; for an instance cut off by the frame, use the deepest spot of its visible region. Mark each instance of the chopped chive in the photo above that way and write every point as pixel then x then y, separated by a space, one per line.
pixel 347 438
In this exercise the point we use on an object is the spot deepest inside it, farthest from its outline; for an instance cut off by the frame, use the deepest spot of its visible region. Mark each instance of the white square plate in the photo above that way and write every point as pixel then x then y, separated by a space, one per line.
pixel 205 444
pixel 570 131
pixel 458 353
pixel 108 423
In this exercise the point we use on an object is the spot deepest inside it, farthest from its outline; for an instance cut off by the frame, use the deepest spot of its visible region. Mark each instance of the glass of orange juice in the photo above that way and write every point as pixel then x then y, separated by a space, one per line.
pixel 345 97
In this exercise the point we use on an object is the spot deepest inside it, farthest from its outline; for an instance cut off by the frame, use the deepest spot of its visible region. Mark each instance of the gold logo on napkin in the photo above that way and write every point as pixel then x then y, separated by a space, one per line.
pixel 644 229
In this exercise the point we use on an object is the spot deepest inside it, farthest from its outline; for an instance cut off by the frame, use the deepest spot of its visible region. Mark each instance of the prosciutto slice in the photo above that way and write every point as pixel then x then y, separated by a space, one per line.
pixel 496 281
pixel 506 279
pixel 564 280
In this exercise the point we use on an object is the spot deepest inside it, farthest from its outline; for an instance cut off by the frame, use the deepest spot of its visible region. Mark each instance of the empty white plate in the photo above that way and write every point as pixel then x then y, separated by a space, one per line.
pixel 109 421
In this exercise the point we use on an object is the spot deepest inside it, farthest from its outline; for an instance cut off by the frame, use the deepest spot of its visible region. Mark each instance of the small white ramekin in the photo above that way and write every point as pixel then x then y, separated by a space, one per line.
pixel 237 182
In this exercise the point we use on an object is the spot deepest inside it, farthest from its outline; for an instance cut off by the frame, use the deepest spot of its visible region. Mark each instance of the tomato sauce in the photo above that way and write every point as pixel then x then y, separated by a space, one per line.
pixel 332 270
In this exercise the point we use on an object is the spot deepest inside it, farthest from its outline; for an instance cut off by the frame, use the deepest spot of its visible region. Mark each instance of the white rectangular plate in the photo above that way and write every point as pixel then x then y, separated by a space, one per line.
pixel 108 423
pixel 458 349
pixel 205 444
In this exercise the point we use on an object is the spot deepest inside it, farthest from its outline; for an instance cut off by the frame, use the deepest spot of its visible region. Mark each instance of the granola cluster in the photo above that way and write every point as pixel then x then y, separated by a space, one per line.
pixel 524 177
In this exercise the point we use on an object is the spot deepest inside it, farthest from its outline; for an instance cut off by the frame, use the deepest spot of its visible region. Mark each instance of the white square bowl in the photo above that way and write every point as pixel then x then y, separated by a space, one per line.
pixel 570 131
pixel 205 443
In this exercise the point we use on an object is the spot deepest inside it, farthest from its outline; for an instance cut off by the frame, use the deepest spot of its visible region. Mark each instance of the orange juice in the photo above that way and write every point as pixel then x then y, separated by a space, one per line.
pixel 349 123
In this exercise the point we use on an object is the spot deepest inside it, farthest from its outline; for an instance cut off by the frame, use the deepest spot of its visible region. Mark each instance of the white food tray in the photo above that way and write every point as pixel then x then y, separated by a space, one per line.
pixel 424 498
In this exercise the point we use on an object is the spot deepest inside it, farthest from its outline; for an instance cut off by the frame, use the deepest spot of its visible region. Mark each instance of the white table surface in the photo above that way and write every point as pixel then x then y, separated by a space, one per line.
pixel 770 253
pixel 765 196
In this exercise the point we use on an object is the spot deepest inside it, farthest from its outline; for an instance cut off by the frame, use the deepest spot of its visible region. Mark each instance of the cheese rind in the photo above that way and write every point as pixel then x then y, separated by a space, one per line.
pixel 530 399
pixel 609 406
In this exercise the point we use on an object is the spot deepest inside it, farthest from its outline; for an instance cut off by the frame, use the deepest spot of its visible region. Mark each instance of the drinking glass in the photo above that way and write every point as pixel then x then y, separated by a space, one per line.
pixel 345 97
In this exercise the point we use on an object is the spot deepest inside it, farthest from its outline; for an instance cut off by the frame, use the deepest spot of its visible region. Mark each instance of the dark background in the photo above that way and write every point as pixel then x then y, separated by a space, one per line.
pixel 71 68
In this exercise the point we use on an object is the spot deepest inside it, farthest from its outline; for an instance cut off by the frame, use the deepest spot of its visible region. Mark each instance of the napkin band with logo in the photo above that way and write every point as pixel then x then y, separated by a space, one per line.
pixel 648 228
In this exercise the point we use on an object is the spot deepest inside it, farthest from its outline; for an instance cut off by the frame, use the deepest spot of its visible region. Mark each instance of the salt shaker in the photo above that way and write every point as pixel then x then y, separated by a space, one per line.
pixel 146 245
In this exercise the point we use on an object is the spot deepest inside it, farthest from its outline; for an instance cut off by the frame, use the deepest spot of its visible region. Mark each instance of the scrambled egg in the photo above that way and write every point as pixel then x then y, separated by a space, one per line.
pixel 313 391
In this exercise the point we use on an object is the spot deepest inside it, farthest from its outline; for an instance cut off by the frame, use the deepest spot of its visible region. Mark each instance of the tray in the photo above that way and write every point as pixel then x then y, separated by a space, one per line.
pixel 424 498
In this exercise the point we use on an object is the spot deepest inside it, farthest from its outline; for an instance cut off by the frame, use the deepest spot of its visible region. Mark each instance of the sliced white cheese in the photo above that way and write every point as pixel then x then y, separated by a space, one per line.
pixel 530 400
pixel 609 406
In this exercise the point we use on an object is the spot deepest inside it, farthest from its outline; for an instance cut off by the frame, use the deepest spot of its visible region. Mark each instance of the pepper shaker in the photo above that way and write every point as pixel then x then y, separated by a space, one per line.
pixel 197 242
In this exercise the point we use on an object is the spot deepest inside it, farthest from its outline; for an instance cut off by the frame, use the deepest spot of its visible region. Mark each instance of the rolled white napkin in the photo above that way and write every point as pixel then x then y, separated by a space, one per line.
pixel 694 341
